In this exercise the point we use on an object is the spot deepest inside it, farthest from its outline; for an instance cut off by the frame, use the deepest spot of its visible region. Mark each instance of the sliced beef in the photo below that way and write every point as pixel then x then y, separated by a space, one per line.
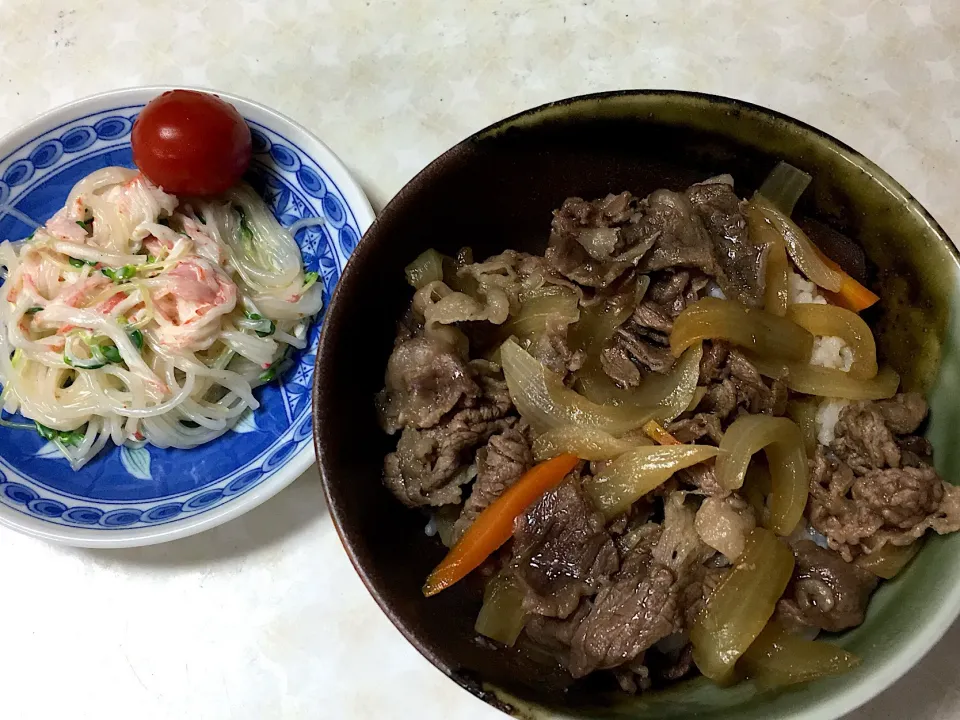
pixel 682 240
pixel 900 497
pixel 638 609
pixel 754 393
pixel 874 484
pixel 677 667
pixel 826 592
pixel 862 439
pixel 553 350
pixel 634 677
pixel 713 362
pixel 703 476
pixel 861 513
pixel 673 290
pixel 915 451
pixel 904 412
pixel 430 466
pixel 632 356
pixel 424 381
pixel 723 523
pixel 515 277
pixel 642 344
pixel 594 243
pixel 720 400
pixel 702 425
pixel 561 551
pixel 534 271
pixel 655 320
pixel 555 635
pixel 659 588
pixel 866 432
pixel 734 385
pixel 702 230
pixel 494 400
pixel 638 538
pixel 829 508
pixel 741 263
pixel 500 463
pixel 679 547
pixel 698 590
pixel 620 366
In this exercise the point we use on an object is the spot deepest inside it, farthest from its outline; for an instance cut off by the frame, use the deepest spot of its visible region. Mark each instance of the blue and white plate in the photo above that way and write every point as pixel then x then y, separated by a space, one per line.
pixel 128 497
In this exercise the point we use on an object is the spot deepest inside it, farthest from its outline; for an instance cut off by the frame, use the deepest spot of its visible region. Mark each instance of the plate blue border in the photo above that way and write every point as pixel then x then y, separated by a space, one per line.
pixel 25 500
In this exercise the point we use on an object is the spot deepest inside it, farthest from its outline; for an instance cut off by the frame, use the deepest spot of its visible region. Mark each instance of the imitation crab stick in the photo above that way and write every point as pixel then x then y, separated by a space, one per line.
pixel 494 526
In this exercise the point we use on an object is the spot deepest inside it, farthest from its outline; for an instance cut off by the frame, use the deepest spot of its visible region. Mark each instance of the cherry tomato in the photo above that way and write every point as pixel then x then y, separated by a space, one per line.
pixel 191 143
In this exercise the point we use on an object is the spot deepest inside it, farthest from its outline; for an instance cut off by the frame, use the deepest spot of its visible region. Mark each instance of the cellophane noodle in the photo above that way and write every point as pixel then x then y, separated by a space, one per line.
pixel 136 317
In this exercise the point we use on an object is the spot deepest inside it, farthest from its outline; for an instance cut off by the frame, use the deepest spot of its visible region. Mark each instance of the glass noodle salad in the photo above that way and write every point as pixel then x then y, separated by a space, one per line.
pixel 135 316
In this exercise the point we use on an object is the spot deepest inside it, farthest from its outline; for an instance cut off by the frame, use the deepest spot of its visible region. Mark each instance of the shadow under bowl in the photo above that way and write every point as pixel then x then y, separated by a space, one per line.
pixel 496 190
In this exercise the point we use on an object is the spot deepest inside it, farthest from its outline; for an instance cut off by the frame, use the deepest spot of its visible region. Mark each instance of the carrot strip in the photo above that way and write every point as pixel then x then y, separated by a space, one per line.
pixel 852 295
pixel 494 526
pixel 658 434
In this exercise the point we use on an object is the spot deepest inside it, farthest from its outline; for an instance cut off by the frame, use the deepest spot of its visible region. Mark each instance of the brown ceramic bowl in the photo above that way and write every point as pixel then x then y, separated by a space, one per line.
pixel 496 190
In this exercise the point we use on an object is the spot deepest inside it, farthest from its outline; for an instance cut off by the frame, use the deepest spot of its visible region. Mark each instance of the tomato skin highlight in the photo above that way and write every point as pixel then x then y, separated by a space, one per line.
pixel 191 143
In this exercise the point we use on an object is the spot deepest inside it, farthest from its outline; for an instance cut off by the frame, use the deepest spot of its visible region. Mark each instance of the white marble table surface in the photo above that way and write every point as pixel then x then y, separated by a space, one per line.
pixel 264 617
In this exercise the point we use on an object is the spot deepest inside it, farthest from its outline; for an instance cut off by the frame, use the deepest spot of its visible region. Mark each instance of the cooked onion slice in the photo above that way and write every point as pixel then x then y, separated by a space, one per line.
pixel 669 394
pixel 738 610
pixel 784 186
pixel 673 392
pixel 777 658
pixel 585 443
pixel 502 616
pixel 782 441
pixel 889 559
pixel 802 251
pixel 756 330
pixel 546 403
pixel 637 472
pixel 549 304
pixel 804 414
pixel 831 320
pixel 762 232
pixel 425 269
pixel 828 382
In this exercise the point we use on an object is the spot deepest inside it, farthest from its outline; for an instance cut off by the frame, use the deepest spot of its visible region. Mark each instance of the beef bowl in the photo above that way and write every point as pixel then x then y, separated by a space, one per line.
pixel 607 604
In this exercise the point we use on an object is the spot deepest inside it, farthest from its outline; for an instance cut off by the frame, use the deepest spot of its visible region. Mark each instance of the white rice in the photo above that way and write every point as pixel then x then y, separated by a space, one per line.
pixel 831 352
pixel 828 413
pixel 804 531
pixel 713 290
pixel 802 290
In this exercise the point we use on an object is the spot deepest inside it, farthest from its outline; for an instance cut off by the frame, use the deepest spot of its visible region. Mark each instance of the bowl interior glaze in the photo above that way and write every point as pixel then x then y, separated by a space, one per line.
pixel 496 190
